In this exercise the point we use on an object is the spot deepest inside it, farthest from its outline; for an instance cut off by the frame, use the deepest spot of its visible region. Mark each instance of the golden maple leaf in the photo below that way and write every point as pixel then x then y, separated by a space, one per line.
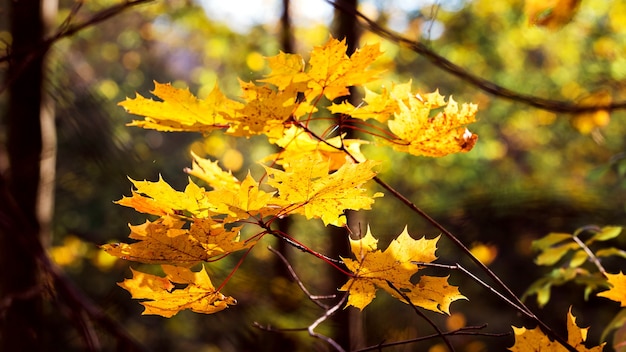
pixel 617 292
pixel 180 110
pixel 445 133
pixel 245 202
pixel 331 71
pixel 307 188
pixel 165 299
pixel 373 269
pixel 165 241
pixel 535 340
pixel 159 198
pixel 264 112
pixel 286 70
pixel 297 143
pixel 209 172
pixel 379 106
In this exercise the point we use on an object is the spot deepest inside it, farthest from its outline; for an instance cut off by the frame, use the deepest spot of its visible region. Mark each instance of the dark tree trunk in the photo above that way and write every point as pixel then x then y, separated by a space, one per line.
pixel 348 321
pixel 21 323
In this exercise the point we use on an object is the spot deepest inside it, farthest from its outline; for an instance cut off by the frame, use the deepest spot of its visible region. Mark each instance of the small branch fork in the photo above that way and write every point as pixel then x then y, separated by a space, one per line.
pixel 557 106
pixel 330 310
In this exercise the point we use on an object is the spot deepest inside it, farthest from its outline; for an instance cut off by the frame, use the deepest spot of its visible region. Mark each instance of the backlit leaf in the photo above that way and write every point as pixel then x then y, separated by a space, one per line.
pixel 163 298
pixel 535 340
pixel 617 292
pixel 307 188
pixel 373 268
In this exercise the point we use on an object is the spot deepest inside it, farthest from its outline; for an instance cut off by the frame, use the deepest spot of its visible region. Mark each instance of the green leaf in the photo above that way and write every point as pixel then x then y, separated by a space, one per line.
pixel 550 240
pixel 607 252
pixel 552 255
pixel 607 233
pixel 579 258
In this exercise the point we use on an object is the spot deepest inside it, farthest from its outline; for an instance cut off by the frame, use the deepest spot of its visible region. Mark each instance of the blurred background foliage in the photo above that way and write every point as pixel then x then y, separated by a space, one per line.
pixel 531 172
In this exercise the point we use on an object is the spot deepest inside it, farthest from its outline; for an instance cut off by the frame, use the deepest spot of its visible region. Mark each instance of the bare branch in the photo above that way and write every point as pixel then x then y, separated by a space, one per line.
pixel 294 276
pixel 558 106
pixel 421 314
pixel 468 330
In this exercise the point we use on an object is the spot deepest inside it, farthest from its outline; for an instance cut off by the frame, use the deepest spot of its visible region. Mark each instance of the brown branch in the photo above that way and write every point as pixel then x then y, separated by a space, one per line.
pixel 557 106
pixel 468 330
pixel 313 298
pixel 422 315
pixel 64 31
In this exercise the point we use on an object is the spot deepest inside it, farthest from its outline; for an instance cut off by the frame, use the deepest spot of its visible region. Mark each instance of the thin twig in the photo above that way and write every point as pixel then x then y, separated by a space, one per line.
pixel 328 314
pixel 558 106
pixel 315 299
pixel 468 330
pixel 421 314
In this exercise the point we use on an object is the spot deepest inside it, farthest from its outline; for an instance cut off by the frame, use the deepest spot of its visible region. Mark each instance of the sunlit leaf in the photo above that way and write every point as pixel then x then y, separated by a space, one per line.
pixel 373 269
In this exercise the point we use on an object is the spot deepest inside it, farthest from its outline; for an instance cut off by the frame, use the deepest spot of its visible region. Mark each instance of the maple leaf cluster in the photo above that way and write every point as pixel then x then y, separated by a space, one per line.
pixel 314 175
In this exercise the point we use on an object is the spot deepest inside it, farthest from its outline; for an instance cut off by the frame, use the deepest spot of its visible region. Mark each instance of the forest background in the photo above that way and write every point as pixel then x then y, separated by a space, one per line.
pixel 533 171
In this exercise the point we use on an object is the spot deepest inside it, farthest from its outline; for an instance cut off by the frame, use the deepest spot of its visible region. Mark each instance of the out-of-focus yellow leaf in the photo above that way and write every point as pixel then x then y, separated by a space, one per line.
pixel 552 14
pixel 585 123
pixel 373 268
pixel 164 299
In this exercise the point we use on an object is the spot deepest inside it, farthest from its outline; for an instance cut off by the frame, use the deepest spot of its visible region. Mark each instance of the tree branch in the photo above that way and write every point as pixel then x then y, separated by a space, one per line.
pixel 557 106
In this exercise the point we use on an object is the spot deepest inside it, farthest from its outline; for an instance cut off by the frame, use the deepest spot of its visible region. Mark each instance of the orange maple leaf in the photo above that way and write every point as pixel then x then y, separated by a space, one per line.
pixel 535 340
pixel 180 110
pixel 165 241
pixel 443 134
pixel 164 299
pixel 307 188
pixel 373 269
pixel 617 292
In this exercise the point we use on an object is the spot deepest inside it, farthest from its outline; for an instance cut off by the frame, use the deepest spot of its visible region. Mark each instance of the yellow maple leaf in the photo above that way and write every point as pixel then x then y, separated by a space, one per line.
pixel 264 112
pixel 286 69
pixel 535 340
pixel 373 269
pixel 245 202
pixel 617 292
pixel 165 241
pixel 209 172
pixel 164 299
pixel 440 135
pixel 297 143
pixel 180 110
pixel 379 106
pixel 307 188
pixel 159 198
pixel 331 71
